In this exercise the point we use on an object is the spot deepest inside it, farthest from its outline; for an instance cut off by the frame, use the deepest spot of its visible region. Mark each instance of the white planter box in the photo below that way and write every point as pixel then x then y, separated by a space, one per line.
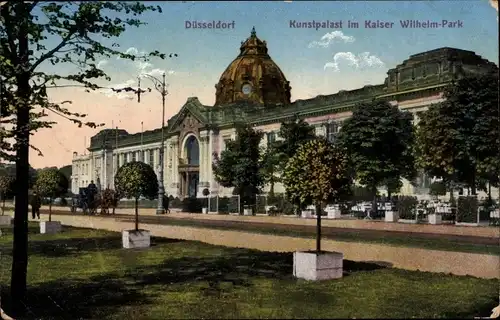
pixel 247 212
pixel 307 214
pixel 204 210
pixel 6 220
pixel 317 266
pixel 435 218
pixel 391 216
pixel 334 214
pixel 50 227
pixel 136 239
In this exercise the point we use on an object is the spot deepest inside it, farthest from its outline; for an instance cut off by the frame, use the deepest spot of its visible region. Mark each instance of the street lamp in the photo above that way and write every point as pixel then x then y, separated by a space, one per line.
pixel 161 87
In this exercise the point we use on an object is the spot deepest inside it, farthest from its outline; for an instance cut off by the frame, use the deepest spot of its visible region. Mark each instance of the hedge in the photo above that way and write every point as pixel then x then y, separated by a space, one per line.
pixel 467 209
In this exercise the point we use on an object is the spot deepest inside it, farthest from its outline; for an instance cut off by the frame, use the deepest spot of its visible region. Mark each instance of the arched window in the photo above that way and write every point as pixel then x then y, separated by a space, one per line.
pixel 192 151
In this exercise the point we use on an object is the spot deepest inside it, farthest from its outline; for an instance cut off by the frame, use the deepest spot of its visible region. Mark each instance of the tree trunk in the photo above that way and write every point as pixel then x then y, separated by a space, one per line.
pixel 50 209
pixel 318 227
pixel 489 191
pixel 3 205
pixel 473 184
pixel 22 136
pixel 136 214
pixel 374 201
pixel 389 194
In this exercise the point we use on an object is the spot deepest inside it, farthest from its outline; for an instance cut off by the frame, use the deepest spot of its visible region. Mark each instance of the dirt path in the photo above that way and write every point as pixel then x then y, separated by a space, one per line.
pixel 479 265
pixel 357 225
pixel 307 230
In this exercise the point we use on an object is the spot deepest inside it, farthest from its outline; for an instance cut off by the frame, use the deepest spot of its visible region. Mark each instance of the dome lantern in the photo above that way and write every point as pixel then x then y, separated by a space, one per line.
pixel 253 76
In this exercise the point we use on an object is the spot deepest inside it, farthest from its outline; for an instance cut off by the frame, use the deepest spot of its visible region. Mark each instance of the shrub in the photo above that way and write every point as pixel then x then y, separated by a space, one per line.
pixel 406 207
pixel 175 202
pixel 467 209
pixel 193 205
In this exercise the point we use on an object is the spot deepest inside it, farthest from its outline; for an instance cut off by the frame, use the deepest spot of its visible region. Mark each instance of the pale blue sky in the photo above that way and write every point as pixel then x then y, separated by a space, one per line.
pixel 204 54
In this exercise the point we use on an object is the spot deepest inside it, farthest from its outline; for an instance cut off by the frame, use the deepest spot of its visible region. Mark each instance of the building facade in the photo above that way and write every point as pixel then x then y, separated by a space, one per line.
pixel 254 90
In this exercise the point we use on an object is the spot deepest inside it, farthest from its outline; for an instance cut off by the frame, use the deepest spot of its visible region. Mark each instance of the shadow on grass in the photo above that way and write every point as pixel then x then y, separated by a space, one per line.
pixel 96 298
pixel 127 294
pixel 73 246
pixel 237 268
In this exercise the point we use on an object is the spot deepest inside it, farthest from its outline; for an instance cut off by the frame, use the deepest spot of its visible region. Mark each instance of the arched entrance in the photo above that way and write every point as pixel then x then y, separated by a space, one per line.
pixel 189 167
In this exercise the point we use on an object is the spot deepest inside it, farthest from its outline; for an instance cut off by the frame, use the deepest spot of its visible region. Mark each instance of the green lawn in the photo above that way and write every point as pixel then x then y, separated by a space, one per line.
pixel 84 274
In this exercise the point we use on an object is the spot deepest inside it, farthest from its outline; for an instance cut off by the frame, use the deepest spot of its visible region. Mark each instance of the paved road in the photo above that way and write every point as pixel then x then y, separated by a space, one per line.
pixel 307 230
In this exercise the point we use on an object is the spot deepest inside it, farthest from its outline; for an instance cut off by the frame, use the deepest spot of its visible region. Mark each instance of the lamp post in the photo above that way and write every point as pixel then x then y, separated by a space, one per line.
pixel 161 87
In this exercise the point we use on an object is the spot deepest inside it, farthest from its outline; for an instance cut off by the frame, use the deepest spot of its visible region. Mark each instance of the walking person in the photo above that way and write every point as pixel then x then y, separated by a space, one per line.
pixel 36 203
pixel 166 202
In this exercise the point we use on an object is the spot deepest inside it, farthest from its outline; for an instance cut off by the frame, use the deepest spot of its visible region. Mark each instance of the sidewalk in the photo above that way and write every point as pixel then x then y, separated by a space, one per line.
pixel 478 265
pixel 481 231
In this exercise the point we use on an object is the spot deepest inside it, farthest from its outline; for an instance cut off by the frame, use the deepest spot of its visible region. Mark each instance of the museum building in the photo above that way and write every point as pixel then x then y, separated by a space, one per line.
pixel 254 90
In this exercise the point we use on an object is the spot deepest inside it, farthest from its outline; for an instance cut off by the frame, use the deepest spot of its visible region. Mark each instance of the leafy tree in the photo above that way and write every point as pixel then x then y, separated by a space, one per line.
pixel 135 179
pixel 51 183
pixel 458 139
pixel 239 165
pixel 82 34
pixel 270 167
pixel 316 174
pixel 5 188
pixel 292 134
pixel 66 170
pixel 379 139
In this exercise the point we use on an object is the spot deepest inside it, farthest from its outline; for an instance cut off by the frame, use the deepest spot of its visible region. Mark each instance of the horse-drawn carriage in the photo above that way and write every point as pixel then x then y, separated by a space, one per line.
pixel 87 200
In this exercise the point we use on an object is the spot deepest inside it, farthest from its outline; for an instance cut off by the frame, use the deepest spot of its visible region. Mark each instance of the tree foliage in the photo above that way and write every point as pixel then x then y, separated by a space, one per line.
pixel 379 139
pixel 317 173
pixel 239 165
pixel 458 138
pixel 51 183
pixel 66 170
pixel 6 183
pixel 37 41
pixel 292 134
pixel 135 179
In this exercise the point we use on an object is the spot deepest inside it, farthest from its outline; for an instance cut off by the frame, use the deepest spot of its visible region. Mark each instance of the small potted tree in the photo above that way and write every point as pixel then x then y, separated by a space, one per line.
pixel 316 174
pixel 133 180
pixel 5 187
pixel 206 193
pixel 51 183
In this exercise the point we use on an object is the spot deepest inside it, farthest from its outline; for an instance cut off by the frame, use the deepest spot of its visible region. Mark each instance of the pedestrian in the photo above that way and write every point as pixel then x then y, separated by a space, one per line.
pixel 36 203
pixel 166 202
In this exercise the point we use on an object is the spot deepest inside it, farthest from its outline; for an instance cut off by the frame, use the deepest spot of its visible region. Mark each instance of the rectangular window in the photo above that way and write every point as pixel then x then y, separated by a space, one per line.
pixel 134 156
pixel 151 158
pixel 271 138
pixel 331 131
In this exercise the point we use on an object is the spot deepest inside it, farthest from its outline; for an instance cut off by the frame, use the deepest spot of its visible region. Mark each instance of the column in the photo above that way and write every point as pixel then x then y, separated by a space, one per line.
pixel 210 159
pixel 202 164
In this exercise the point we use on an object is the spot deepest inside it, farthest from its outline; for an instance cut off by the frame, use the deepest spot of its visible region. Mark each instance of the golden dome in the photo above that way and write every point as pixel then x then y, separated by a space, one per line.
pixel 253 76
